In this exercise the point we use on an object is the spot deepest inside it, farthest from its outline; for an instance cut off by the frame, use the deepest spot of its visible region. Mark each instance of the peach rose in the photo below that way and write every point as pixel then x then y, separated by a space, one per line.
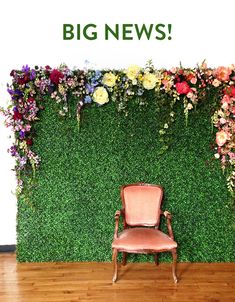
pixel 221 137
pixel 193 81
pixel 222 73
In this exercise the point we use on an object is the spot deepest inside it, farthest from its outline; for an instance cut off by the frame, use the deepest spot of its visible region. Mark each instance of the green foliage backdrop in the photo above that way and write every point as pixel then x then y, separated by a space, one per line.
pixel 79 180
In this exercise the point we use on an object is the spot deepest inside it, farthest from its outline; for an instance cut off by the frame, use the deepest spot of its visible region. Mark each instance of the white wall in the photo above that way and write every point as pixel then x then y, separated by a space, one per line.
pixel 31 33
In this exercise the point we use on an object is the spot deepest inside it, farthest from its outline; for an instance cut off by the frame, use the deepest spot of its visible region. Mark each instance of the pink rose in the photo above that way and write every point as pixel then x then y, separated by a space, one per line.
pixel 27 127
pixel 221 137
pixel 222 120
pixel 222 73
pixel 193 81
pixel 226 99
pixel 231 155
pixel 182 87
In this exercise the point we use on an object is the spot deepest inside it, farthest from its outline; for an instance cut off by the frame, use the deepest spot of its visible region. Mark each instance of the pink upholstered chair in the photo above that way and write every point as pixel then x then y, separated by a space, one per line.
pixel 141 211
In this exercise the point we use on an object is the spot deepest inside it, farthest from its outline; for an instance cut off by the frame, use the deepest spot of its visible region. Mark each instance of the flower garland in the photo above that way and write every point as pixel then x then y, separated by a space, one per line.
pixel 186 85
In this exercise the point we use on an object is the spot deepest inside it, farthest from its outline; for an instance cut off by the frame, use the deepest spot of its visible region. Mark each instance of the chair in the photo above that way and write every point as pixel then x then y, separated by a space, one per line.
pixel 141 211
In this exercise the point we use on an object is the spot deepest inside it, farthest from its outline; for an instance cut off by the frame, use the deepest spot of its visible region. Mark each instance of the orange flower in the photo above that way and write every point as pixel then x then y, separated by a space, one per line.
pixel 222 73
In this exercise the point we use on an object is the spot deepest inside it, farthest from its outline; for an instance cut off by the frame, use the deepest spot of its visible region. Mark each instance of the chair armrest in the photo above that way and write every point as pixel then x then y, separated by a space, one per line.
pixel 168 221
pixel 116 217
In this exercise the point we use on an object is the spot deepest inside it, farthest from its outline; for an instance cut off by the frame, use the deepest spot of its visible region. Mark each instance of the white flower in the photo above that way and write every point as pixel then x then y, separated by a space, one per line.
pixel 224 105
pixel 189 106
pixel 134 82
pixel 100 95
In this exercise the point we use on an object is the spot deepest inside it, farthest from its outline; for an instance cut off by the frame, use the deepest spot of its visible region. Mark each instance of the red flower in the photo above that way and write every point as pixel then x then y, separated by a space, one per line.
pixel 230 91
pixel 17 116
pixel 23 80
pixel 55 76
pixel 182 88
pixel 29 141
pixel 30 100
pixel 177 78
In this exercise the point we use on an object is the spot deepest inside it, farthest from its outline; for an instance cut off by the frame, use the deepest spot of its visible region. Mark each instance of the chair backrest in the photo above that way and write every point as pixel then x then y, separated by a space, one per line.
pixel 142 204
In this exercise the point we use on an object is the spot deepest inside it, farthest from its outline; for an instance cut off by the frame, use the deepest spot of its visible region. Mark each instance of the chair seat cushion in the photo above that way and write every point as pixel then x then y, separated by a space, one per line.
pixel 143 239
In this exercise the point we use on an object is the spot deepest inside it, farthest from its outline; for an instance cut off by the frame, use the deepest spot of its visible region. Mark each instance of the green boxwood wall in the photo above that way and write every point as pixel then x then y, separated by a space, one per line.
pixel 81 173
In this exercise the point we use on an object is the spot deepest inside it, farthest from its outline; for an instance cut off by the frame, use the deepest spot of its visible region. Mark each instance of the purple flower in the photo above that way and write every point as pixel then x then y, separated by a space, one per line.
pixel 32 74
pixel 13 151
pixel 22 134
pixel 97 74
pixel 15 94
pixel 26 68
pixel 51 88
pixel 94 82
pixel 10 91
pixel 90 88
pixel 87 99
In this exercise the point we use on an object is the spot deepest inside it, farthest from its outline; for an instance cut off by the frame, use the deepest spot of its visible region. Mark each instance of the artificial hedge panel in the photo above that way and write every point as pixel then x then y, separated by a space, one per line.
pixel 78 184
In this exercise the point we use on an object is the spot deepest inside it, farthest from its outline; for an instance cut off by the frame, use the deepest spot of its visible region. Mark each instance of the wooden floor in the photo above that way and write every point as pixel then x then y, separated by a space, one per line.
pixel 59 282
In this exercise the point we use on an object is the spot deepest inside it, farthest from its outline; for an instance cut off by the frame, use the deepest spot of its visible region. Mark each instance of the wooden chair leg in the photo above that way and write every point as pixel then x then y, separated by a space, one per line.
pixel 124 255
pixel 114 257
pixel 174 255
pixel 156 258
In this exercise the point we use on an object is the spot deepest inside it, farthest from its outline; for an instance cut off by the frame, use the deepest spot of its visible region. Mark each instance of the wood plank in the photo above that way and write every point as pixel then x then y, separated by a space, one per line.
pixel 50 282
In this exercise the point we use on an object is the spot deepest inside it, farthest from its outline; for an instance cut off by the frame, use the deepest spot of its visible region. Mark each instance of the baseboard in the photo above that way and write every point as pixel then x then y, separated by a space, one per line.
pixel 7 248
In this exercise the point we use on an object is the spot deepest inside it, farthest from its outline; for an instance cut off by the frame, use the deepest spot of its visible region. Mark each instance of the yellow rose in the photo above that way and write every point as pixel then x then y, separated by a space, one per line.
pixel 149 81
pixel 109 79
pixel 132 72
pixel 100 95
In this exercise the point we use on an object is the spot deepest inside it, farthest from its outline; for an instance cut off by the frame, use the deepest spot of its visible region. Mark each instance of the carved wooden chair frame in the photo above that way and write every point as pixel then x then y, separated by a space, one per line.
pixel 121 212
